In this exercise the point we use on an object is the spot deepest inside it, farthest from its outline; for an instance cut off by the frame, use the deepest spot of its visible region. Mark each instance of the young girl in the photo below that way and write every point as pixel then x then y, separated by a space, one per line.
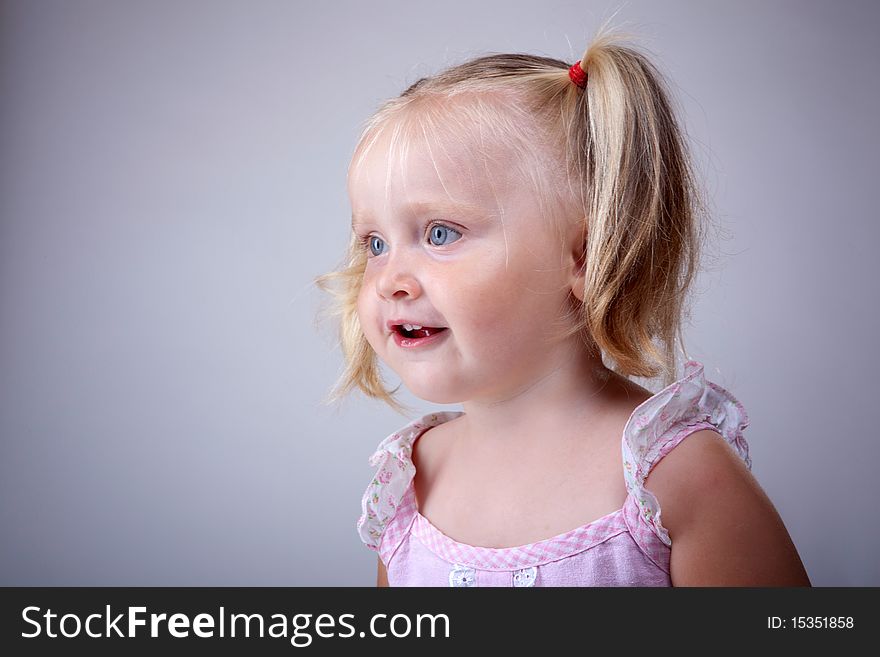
pixel 517 223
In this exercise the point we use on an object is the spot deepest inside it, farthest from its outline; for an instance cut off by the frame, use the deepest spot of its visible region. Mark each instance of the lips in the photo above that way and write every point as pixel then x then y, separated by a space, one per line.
pixel 411 334
pixel 420 332
pixel 413 329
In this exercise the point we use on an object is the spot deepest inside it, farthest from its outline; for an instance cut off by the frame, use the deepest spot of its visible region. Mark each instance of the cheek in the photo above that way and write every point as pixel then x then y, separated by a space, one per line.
pixel 361 307
pixel 366 312
pixel 500 308
pixel 524 287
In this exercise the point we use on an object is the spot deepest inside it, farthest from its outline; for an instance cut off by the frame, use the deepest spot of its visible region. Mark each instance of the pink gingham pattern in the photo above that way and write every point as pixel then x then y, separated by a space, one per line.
pixel 524 556
pixel 629 546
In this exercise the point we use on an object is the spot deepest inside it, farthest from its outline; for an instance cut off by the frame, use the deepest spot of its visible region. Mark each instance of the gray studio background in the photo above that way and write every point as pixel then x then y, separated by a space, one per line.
pixel 172 178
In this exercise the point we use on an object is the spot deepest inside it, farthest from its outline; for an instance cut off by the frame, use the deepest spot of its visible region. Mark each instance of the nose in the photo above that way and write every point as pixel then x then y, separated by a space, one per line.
pixel 397 279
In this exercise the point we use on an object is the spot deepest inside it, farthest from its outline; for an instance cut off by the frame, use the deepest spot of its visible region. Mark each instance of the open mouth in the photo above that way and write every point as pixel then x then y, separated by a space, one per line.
pixel 414 332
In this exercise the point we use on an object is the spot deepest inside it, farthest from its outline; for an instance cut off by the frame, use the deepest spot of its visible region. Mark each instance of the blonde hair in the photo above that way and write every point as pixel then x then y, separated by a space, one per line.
pixel 611 156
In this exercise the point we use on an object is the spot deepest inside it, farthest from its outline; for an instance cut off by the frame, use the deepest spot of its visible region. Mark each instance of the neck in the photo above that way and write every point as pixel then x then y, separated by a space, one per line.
pixel 572 388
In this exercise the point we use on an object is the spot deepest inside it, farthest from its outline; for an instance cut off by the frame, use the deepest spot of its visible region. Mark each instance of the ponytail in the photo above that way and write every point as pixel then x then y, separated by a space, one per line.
pixel 642 210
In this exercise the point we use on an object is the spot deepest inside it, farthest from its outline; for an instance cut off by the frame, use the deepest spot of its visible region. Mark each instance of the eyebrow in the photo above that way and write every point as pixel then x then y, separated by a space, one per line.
pixel 425 206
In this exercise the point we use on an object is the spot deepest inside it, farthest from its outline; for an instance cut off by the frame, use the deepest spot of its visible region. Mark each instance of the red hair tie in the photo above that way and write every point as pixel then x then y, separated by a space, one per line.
pixel 577 75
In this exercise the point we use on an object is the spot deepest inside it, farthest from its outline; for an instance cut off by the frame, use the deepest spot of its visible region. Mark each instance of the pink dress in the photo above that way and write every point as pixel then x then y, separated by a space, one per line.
pixel 628 547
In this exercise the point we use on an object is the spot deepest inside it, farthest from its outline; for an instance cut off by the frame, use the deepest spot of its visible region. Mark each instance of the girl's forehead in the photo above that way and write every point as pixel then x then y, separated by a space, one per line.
pixel 395 165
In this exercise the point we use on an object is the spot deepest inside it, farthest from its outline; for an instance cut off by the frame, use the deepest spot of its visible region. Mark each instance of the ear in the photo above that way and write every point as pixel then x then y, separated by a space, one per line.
pixel 576 257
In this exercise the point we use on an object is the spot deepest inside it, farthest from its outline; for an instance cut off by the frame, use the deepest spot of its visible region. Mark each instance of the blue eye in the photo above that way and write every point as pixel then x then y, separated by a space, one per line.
pixel 440 233
pixel 376 245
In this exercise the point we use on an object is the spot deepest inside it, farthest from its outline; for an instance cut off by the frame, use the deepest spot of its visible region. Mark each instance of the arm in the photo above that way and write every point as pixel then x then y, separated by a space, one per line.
pixel 382 576
pixel 724 529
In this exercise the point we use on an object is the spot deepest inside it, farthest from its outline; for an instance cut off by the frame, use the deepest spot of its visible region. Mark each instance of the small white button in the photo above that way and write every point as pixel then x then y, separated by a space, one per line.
pixel 525 577
pixel 462 576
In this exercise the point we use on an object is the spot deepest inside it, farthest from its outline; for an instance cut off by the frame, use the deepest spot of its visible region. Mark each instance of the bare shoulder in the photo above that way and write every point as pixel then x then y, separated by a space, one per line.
pixel 432 446
pixel 724 529
pixel 430 453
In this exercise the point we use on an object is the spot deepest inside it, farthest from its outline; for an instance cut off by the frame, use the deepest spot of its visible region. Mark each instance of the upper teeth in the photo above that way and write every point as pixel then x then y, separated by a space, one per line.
pixel 410 327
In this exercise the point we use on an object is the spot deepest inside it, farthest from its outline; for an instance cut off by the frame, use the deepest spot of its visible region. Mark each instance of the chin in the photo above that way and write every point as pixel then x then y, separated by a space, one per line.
pixel 432 392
